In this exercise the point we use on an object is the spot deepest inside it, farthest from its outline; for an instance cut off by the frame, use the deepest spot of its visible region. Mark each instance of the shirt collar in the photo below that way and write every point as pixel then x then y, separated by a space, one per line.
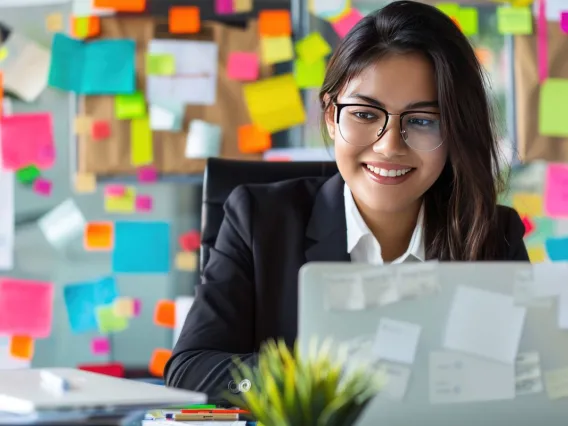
pixel 357 229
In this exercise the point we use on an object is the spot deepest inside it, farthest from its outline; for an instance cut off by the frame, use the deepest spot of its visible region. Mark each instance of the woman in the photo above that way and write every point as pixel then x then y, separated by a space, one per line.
pixel 404 102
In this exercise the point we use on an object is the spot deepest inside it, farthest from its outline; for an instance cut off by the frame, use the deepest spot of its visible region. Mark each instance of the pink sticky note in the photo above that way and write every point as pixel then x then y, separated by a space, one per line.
pixel 143 203
pixel 137 307
pixel 556 191
pixel 100 345
pixel 115 190
pixel 147 174
pixel 223 7
pixel 243 66
pixel 344 25
pixel 564 22
pixel 42 186
pixel 27 139
pixel 26 307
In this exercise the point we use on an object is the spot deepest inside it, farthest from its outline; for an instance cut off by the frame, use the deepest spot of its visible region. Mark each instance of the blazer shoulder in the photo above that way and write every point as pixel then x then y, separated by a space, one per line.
pixel 510 222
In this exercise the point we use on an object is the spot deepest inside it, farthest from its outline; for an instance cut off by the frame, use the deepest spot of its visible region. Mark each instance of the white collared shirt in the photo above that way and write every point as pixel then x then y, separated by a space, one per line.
pixel 364 247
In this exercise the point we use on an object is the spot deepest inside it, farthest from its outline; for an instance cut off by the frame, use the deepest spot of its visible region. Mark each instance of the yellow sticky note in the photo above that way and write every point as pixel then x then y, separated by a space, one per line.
pixel 514 20
pixel 527 204
pixel 312 48
pixel 124 307
pixel 141 145
pixel 469 20
pixel 3 53
pixel 121 204
pixel 309 75
pixel 537 254
pixel 54 22
pixel 275 103
pixel 450 9
pixel 186 261
pixel 276 49
pixel 240 6
pixel 556 383
pixel 85 183
pixel 83 125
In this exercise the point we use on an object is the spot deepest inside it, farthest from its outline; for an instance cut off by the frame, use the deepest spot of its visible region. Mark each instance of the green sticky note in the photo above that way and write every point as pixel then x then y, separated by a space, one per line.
pixel 309 75
pixel 514 20
pixel 130 106
pixel 141 144
pixel 160 64
pixel 108 322
pixel 469 20
pixel 450 9
pixel 552 108
pixel 27 174
pixel 312 48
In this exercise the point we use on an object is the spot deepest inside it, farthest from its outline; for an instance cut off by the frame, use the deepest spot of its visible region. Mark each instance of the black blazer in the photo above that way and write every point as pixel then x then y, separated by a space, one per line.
pixel 250 283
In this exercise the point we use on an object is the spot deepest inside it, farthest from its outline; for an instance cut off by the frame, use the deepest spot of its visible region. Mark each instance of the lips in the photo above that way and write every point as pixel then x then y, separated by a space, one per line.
pixel 388 170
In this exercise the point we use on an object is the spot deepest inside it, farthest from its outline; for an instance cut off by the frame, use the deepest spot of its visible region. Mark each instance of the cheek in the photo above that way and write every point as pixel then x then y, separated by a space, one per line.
pixel 433 163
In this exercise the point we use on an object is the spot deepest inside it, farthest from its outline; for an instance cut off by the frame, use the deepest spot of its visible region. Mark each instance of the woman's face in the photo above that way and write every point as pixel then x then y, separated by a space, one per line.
pixel 388 175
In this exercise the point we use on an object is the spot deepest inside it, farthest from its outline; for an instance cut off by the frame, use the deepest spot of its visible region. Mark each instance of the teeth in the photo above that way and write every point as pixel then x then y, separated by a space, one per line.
pixel 386 172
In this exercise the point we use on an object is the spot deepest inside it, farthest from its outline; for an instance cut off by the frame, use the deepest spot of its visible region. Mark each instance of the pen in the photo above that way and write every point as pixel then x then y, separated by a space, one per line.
pixel 53 383
pixel 204 416
pixel 218 411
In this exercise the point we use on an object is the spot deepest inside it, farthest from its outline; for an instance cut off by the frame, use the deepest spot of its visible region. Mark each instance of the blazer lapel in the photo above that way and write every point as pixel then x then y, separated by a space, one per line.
pixel 326 233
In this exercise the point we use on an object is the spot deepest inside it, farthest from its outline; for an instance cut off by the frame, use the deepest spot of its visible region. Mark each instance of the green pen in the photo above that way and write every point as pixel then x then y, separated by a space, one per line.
pixel 196 407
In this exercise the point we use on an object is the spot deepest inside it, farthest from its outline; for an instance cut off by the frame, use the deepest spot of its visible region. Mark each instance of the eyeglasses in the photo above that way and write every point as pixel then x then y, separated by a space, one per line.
pixel 363 125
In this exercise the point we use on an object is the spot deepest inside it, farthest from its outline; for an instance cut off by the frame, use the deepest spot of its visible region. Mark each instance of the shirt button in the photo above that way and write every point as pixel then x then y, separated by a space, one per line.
pixel 233 387
pixel 245 385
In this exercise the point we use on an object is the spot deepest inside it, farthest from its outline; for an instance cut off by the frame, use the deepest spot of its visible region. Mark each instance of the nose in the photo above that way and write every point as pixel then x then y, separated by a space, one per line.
pixel 391 144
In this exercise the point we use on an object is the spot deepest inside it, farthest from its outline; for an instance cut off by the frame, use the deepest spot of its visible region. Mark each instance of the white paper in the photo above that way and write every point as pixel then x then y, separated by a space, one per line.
pixel 344 292
pixel 379 286
pixel 458 378
pixel 85 8
pixel 484 323
pixel 526 292
pixel 417 279
pixel 528 374
pixel 161 118
pixel 6 220
pixel 563 310
pixel 554 9
pixel 397 378
pixel 550 278
pixel 7 361
pixel 183 305
pixel 203 140
pixel 195 81
pixel 397 340
pixel 62 224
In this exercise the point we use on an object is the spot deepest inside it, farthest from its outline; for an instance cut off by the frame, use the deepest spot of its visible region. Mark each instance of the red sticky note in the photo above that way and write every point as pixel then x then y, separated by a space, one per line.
pixel 26 307
pixel 345 23
pixel 529 225
pixel 100 130
pixel 144 203
pixel 147 174
pixel 27 139
pixel 243 66
pixel 114 369
pixel 190 241
pixel 100 345
pixel 42 186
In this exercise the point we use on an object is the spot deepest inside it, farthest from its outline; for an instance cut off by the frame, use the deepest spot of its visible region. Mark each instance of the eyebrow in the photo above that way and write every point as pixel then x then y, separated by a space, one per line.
pixel 413 105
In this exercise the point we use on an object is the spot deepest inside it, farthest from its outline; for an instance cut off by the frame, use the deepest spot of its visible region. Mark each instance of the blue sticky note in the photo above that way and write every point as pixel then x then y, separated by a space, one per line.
pixel 141 247
pixel 80 300
pixel 66 67
pixel 105 291
pixel 557 249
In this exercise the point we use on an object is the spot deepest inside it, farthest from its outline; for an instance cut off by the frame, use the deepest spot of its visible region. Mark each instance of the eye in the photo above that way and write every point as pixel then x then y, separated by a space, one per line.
pixel 424 122
pixel 364 115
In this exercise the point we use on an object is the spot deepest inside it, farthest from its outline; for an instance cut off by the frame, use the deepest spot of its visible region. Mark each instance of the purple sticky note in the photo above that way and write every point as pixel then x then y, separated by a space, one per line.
pixel 100 345
pixel 147 174
pixel 143 203
pixel 344 25
pixel 42 186
pixel 223 7
pixel 137 307
pixel 243 66
pixel 564 22
pixel 115 190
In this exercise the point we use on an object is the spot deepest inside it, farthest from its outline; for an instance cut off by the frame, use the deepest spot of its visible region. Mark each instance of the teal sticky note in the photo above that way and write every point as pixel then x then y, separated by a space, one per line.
pixel 544 228
pixel 66 68
pixel 141 248
pixel 557 249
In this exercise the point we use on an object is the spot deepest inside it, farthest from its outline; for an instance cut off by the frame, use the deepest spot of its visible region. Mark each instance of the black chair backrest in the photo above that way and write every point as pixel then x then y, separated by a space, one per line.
pixel 222 176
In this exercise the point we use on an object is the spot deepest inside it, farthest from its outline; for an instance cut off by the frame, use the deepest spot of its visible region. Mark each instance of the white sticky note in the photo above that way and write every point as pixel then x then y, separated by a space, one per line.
pixel 397 378
pixel 379 286
pixel 62 224
pixel 328 8
pixel 7 218
pixel 528 375
pixel 203 140
pixel 417 279
pixel 458 378
pixel 161 118
pixel 183 305
pixel 397 341
pixel 556 382
pixel 484 323
pixel 344 292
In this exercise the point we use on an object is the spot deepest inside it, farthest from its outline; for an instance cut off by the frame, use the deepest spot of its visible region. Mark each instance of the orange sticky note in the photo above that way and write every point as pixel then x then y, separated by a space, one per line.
pixel 158 362
pixel 184 20
pixel 122 5
pixel 22 347
pixel 253 139
pixel 165 313
pixel 99 236
pixel 85 26
pixel 274 23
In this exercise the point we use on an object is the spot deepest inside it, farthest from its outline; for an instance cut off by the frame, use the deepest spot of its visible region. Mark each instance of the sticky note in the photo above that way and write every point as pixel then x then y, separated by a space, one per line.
pixel 165 313
pixel 144 203
pixel 312 48
pixel 275 103
pixel 329 9
pixel 527 204
pixel 564 22
pixel 223 7
pixel 4 53
pixel 544 228
pixel 243 66
pixel 26 307
pixel 27 174
pixel 108 322
pixel 469 20
pixel 160 64
pixel 190 241
pixel 85 183
pixel 242 6
pixel 114 369
pixel 162 118
pixel 121 5
pixel 27 139
pixel 203 140
pixel 514 20
pixel 184 20
pixel 396 341
pixel 158 361
pixel 100 346
pixel 62 224
pixel 309 75
pixel 276 49
pixel 557 249
pixel 537 254
pixel 130 106
pixel 99 236
pixel 252 139
pixel 147 174
pixel 186 261
pixel 553 93
pixel 274 23
pixel 85 26
pixel 451 9
pixel 83 125
pixel 123 204
pixel 137 307
pixel 141 247
pixel 124 307
pixel 141 143
pixel 528 224
pixel 54 22
pixel 115 190
pixel 345 23
pixel 556 191
pixel 556 383
pixel 100 130
pixel 22 347
pixel 42 186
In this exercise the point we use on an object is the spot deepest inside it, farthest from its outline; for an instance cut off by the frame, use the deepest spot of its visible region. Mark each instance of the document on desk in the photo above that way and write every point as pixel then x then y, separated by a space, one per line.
pixel 344 292
pixel 6 220
pixel 397 341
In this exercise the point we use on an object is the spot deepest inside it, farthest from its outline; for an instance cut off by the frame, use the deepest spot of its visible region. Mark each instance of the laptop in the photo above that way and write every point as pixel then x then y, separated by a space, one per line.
pixel 464 344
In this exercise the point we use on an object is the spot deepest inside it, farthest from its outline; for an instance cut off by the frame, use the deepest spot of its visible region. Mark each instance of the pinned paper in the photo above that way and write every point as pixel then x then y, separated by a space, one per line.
pixel 26 307
pixel 62 224
pixel 274 23
pixel 551 122
pixel 346 22
pixel 42 186
pixel 157 64
pixel 557 249
pixel 130 106
pixel 115 190
pixel 186 261
pixel 528 224
pixel 469 20
pixel 141 142
pixel 28 174
pixel 141 247
pixel 27 139
pixel 527 204
pixel 528 375
pixel 276 50
pixel 54 22
pixel 108 322
pixel 22 347
pixel 85 183
pixel 137 307
pixel 252 139
pixel 309 75
pixel 165 313
pixel 160 358
pixel 99 236
pixel 124 307
pixel 312 48
pixel 182 306
pixel 329 9
pixel 147 174
pixel 123 204
pixel 121 5
pixel 243 66
pixel 100 130
pixel 556 191
pixel 203 140
pixel 100 346
pixel 275 103
pixel 144 203
pixel 397 341
pixel 184 20
pixel 537 254
pixel 556 383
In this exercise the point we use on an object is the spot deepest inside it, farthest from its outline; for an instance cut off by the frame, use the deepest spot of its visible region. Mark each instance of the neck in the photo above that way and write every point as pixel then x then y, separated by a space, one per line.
pixel 393 231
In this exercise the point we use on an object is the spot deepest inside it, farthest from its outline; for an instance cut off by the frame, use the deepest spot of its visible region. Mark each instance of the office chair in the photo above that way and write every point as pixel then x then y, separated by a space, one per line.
pixel 222 176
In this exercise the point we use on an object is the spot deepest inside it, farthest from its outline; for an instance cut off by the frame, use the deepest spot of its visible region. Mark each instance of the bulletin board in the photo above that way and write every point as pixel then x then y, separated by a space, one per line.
pixel 112 156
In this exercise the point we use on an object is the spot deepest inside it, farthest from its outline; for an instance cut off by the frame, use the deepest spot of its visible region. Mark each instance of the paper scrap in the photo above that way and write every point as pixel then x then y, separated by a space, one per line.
pixel 124 307
pixel 551 121
pixel 144 203
pixel 309 75
pixel 203 140
pixel 528 224
pixel 397 341
pixel 137 307
pixel 556 191
pixel 124 204
pixel 99 236
pixel 183 305
pixel 83 27
pixel 158 361
pixel 514 20
pixel 160 64
pixel 100 346
pixel 544 228
pixel 42 186
pixel 86 8
pixel 141 247
pixel 243 66
pixel 484 323
pixel 85 183
pixel 22 347
pixel 252 139
pixel 528 204
pixel 397 379
pixel 184 20
pixel 276 50
pixel 141 142
pixel 108 322
pixel 62 224
pixel 459 378
pixel 312 48
pixel 100 130
pixel 186 261
pixel 557 249
pixel 129 106
pixel 542 41
pixel 528 376
pixel 274 23
pixel 7 220
pixel 26 307
pixel 556 383
pixel 346 22
pixel 165 313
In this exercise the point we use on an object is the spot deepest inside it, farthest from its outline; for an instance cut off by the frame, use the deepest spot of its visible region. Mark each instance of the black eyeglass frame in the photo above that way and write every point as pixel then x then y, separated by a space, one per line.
pixel 340 106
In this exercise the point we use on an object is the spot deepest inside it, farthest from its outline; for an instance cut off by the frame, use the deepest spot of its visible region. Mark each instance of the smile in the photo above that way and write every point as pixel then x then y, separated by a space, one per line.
pixel 388 172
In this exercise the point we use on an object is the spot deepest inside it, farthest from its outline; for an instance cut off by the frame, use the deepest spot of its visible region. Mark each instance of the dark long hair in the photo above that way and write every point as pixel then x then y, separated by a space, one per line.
pixel 461 206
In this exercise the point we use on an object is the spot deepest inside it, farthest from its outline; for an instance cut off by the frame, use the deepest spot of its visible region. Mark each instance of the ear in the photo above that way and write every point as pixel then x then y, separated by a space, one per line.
pixel 329 116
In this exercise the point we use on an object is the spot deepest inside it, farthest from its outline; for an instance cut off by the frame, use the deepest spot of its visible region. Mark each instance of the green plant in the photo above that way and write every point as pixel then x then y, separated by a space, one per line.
pixel 288 390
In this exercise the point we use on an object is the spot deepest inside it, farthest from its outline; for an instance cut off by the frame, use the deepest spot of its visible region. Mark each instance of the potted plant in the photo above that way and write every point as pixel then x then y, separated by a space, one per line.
pixel 318 390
